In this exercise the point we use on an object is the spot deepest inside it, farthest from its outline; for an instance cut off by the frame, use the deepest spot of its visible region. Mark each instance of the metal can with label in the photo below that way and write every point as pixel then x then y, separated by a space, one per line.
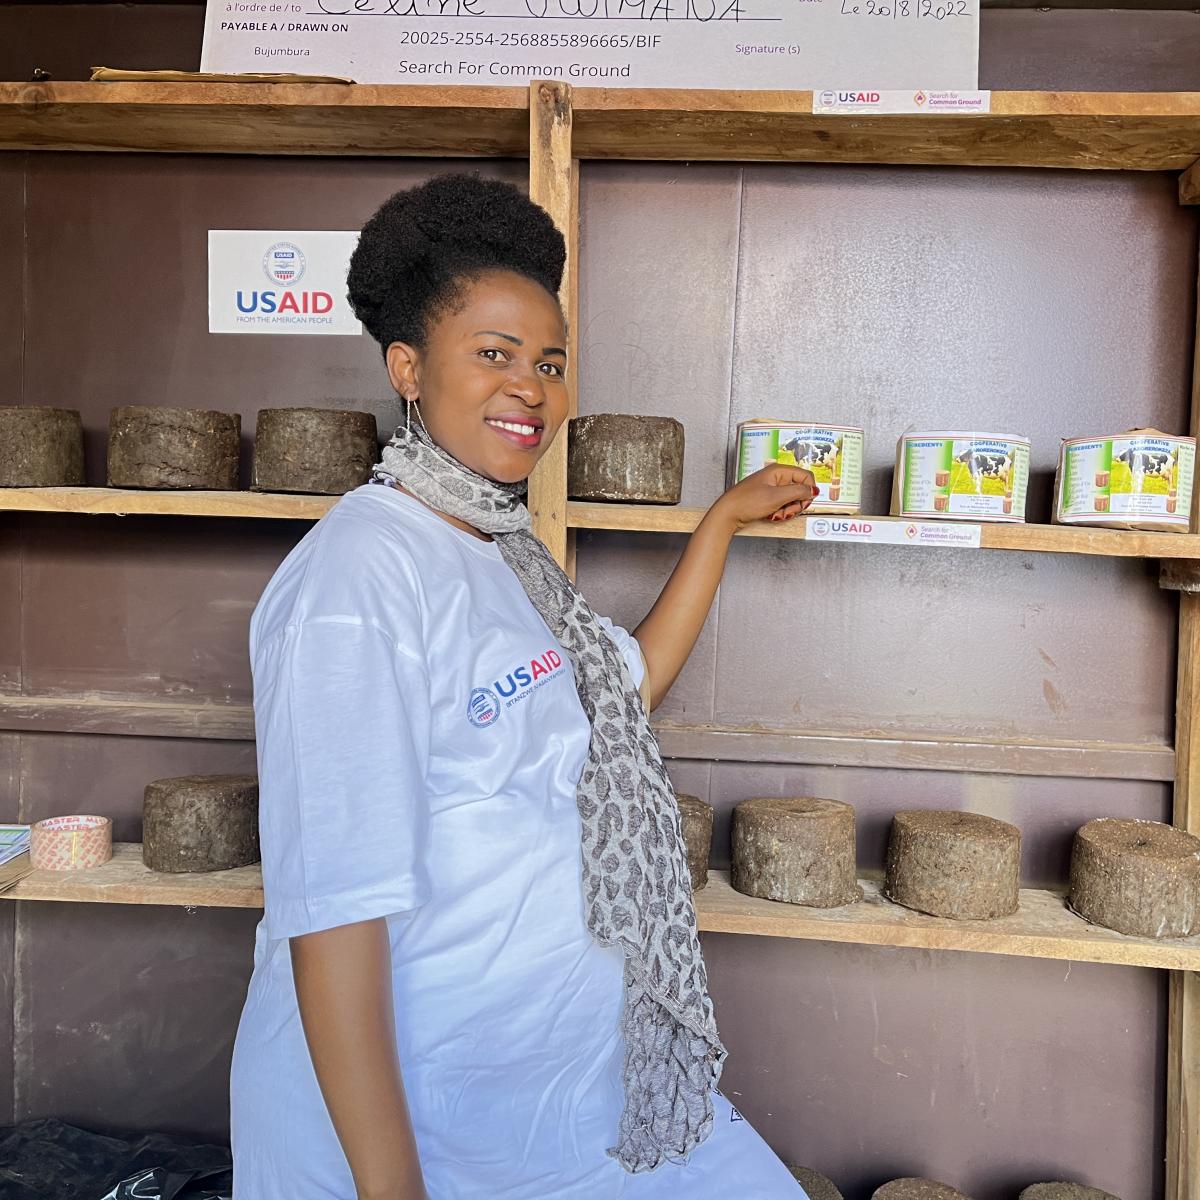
pixel 833 453
pixel 952 476
pixel 1136 480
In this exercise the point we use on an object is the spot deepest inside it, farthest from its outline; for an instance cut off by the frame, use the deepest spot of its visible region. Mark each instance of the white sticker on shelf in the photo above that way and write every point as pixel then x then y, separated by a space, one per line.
pixel 891 533
pixel 856 101
pixel 280 281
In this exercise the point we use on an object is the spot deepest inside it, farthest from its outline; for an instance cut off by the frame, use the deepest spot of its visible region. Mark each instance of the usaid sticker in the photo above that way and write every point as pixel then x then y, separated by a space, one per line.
pixel 921 101
pixel 265 281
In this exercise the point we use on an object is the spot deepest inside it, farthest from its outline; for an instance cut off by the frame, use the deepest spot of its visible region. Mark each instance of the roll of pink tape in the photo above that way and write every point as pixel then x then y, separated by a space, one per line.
pixel 70 843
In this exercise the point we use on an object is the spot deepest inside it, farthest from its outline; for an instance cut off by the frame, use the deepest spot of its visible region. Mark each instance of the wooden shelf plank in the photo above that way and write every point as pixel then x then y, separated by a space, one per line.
pixel 130 501
pixel 1052 539
pixel 1143 131
pixel 900 749
pixel 912 750
pixel 1139 131
pixel 1056 539
pixel 265 118
pixel 125 879
pixel 1044 928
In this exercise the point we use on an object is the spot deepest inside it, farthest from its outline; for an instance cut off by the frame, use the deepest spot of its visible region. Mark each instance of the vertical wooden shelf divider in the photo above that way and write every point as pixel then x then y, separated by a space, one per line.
pixel 554 184
pixel 1183 1002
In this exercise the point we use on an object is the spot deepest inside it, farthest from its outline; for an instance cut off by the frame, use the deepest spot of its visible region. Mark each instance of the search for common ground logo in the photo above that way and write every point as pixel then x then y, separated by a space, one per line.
pixel 284 263
pixel 483 708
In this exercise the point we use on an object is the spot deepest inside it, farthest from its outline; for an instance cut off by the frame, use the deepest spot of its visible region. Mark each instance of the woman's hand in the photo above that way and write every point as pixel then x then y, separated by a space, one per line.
pixel 776 492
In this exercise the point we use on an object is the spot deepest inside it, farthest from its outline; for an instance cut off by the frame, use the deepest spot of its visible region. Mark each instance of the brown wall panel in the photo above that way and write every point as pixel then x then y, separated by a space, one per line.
pixel 136 227
pixel 953 642
pixel 1089 51
pixel 150 606
pixel 128 1014
pixel 870 1064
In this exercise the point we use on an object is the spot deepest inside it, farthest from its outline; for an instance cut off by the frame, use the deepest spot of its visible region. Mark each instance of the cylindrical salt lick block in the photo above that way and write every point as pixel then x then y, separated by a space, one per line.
pixel 321 451
pixel 632 458
pixel 1064 1191
pixel 697 820
pixel 799 851
pixel 917 1189
pixel 1137 877
pixel 152 447
pixel 954 864
pixel 40 447
pixel 815 1185
pixel 200 823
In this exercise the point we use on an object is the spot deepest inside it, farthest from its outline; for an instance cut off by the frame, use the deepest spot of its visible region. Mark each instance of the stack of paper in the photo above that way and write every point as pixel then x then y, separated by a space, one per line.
pixel 14 855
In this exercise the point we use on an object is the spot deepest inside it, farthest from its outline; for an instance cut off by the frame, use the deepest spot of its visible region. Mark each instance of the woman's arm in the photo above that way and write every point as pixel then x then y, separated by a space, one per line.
pixel 344 990
pixel 672 626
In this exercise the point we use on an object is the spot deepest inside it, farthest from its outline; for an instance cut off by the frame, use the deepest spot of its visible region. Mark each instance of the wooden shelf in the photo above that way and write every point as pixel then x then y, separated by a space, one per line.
pixel 1052 539
pixel 265 118
pixel 130 501
pixel 125 879
pixel 637 518
pixel 1044 928
pixel 1142 131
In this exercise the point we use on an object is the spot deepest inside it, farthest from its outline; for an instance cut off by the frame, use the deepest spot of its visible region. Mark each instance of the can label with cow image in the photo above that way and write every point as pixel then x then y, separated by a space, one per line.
pixel 1136 480
pixel 833 453
pixel 961 476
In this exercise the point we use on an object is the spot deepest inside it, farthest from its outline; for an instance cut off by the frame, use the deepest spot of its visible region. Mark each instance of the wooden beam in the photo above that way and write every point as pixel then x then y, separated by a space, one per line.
pixel 1138 131
pixel 105 501
pixel 266 118
pixel 920 751
pixel 125 879
pixel 1142 131
pixel 1043 928
pixel 1050 539
pixel 88 713
pixel 1189 184
pixel 1183 996
pixel 554 184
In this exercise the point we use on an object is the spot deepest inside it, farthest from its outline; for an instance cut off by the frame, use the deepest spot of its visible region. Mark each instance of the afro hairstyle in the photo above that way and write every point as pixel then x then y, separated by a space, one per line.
pixel 426 244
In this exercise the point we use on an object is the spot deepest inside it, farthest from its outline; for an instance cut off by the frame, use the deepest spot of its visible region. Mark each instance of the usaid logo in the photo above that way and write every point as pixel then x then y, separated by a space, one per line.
pixel 828 98
pixel 284 263
pixel 819 527
pixel 483 708
pixel 485 703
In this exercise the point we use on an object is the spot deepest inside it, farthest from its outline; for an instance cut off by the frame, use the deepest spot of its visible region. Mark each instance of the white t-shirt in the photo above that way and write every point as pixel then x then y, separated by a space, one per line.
pixel 419 744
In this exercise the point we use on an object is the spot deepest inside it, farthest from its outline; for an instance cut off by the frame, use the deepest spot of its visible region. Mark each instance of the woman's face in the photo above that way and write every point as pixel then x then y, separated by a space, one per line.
pixel 491 380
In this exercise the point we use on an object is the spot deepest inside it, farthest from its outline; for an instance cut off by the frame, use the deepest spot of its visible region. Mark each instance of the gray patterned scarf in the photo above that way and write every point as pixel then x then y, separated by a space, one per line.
pixel 635 873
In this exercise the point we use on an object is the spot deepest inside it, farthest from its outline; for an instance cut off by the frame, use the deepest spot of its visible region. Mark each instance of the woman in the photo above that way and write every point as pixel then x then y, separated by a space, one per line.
pixel 446 735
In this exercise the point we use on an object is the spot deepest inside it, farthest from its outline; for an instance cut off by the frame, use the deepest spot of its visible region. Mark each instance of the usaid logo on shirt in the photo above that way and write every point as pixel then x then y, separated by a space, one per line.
pixel 487 703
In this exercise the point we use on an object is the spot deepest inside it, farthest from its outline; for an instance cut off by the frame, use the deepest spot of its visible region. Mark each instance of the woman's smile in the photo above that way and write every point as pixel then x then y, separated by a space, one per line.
pixel 518 428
